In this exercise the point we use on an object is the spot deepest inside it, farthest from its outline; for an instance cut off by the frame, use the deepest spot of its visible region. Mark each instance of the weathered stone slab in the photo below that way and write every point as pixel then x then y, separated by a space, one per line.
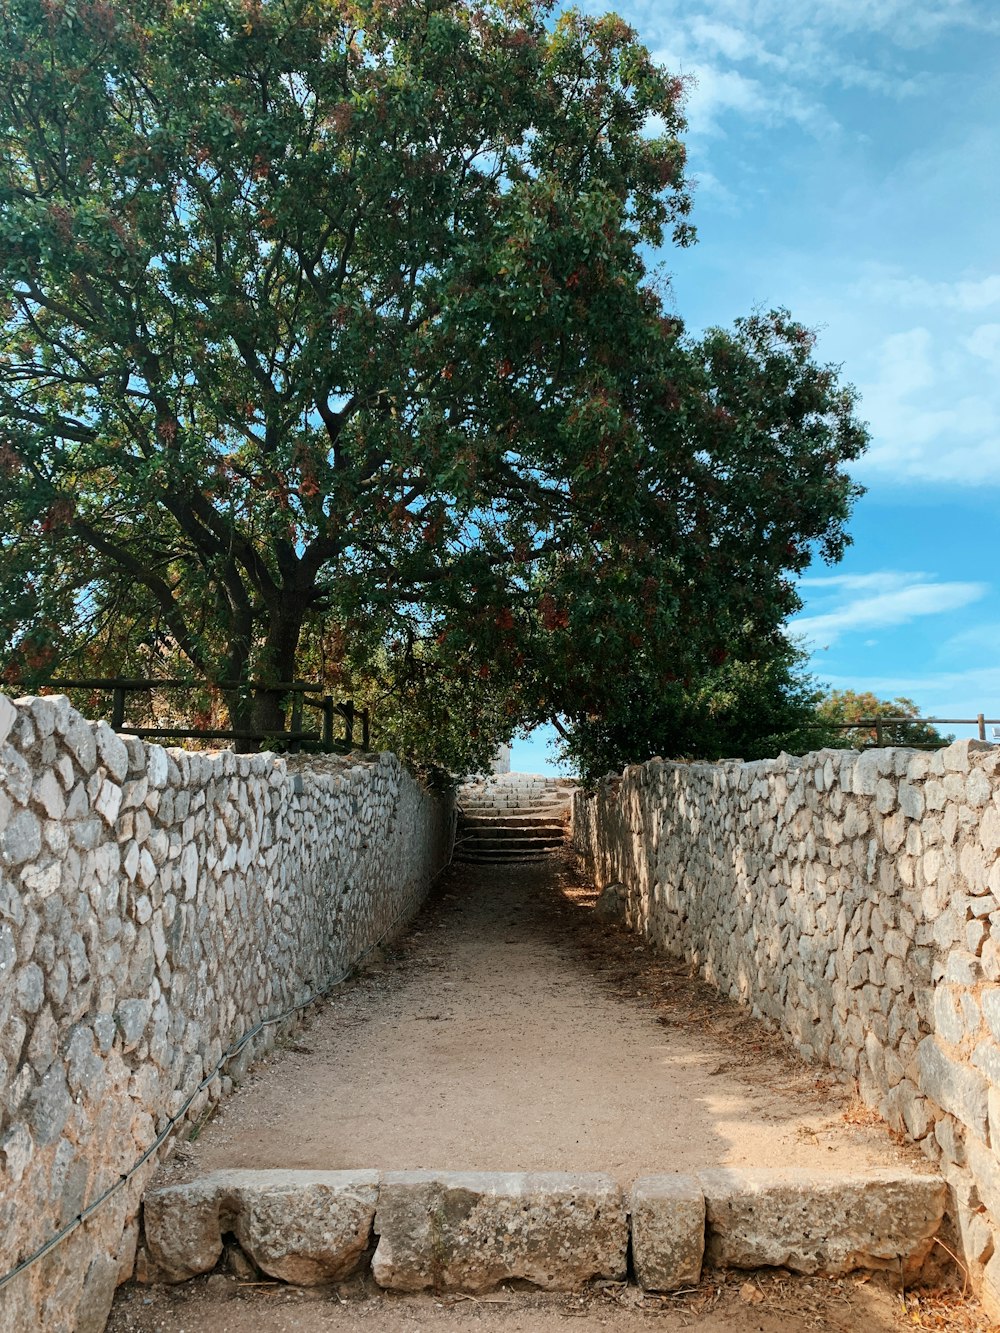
pixel 813 1222
pixel 183 1230
pixel 611 904
pixel 955 1087
pixel 306 1227
pixel 668 1232
pixel 309 1227
pixel 472 1230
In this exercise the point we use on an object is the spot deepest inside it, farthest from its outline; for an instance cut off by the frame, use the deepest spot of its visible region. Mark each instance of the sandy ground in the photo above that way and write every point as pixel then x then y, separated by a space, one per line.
pixel 507 1030
pixel 747 1303
pixel 510 1031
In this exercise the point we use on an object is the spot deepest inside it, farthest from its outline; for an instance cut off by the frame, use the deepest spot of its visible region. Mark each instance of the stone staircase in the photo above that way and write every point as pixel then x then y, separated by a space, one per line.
pixel 511 817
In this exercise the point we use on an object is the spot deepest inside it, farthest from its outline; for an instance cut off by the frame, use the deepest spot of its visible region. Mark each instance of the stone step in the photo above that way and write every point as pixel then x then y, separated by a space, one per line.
pixel 513 830
pixel 474 856
pixel 537 808
pixel 506 846
pixel 501 833
pixel 542 821
pixel 472 1230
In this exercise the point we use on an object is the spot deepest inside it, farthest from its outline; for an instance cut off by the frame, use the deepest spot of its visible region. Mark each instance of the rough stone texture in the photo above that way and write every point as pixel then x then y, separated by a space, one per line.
pixel 811 1222
pixel 306 1227
pixel 468 1231
pixel 610 906
pixel 668 1232
pixel 853 902
pixel 989 1292
pixel 155 905
pixel 310 1232
pixel 183 1228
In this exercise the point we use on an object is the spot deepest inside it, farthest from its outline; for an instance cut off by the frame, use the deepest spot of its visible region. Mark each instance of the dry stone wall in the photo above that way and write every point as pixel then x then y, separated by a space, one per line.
pixel 155 906
pixel 853 901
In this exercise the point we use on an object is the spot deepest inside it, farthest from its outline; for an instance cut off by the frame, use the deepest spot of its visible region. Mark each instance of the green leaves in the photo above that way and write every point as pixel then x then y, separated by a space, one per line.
pixel 323 314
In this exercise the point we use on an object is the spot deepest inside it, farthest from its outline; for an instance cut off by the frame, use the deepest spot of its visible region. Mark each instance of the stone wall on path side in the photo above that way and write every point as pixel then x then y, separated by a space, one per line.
pixel 157 905
pixel 853 901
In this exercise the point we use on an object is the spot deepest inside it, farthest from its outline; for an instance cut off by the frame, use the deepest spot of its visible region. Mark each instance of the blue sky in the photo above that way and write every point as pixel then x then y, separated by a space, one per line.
pixel 846 155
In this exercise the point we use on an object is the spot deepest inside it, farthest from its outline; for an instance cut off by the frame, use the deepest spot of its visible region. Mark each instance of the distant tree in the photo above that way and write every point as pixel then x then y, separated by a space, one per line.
pixel 748 708
pixel 846 706
pixel 332 322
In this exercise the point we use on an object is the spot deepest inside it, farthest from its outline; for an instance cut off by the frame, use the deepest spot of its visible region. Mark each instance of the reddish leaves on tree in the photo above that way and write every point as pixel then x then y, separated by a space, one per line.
pixel 553 617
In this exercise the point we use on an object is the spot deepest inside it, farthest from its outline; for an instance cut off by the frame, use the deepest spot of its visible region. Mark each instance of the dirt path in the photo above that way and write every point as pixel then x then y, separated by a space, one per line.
pixel 509 1031
pixel 745 1303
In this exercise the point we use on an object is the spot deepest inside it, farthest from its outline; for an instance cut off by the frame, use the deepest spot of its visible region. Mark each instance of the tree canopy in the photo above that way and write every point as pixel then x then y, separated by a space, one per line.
pixel 330 323
pixel 840 708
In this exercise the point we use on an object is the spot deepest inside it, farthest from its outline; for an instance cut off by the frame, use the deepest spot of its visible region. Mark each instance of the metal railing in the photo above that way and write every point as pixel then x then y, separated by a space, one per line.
pixel 120 687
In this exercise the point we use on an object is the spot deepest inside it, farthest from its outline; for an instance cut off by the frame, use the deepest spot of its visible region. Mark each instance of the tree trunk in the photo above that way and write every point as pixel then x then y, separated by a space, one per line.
pixel 266 709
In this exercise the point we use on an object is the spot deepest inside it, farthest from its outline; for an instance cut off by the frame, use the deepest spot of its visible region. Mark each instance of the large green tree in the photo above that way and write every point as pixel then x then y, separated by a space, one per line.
pixel 326 315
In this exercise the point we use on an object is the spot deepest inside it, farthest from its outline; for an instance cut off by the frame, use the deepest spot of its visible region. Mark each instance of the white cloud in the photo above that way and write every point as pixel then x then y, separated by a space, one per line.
pixel 883 600
pixel 733 43
pixel 714 92
pixel 984 342
pixel 798 51
pixel 906 21
pixel 708 185
pixel 934 415
pixel 966 295
pixel 882 580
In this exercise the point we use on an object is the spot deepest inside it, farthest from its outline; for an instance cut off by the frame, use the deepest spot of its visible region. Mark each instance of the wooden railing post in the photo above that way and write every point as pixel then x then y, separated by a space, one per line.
pixel 295 744
pixel 327 721
pixel 981 719
pixel 348 712
pixel 117 707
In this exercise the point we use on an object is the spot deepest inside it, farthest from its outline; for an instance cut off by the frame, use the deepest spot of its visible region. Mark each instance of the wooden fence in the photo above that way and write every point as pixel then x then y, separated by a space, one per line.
pixel 301 692
pixel 880 724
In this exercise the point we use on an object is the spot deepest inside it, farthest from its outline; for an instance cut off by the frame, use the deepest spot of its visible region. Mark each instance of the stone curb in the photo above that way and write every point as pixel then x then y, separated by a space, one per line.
pixel 820 1223
pixel 471 1230
pixel 307 1227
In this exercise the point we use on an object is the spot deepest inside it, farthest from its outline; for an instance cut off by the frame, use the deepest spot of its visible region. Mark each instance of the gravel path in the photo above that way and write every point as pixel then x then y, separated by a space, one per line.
pixel 740 1303
pixel 510 1031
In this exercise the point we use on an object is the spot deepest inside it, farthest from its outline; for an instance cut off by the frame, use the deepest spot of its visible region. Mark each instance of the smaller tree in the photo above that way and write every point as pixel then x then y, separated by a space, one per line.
pixel 752 703
pixel 903 723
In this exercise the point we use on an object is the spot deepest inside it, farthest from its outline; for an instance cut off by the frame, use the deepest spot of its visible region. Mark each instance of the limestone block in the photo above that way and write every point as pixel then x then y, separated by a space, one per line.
pixel 911 800
pixel 866 774
pixel 962 967
pixel 885 796
pixel 956 1087
pixel 956 757
pixel 112 751
pixel 610 906
pixel 8 716
pixel 985 1167
pixel 990 999
pixel 819 1223
pixel 978 789
pixel 668 1232
pixel 21 840
pixel 948 1014
pixel 42 881
pixel 307 1227
pixel 183 1228
pixel 472 1230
